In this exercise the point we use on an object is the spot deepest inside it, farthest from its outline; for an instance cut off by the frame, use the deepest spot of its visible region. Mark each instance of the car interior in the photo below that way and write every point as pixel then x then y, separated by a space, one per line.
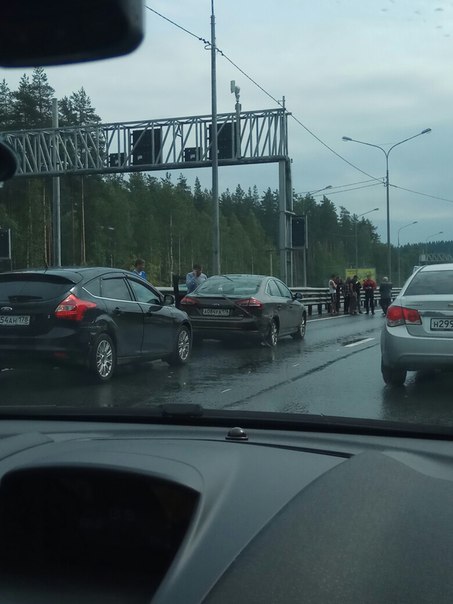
pixel 179 504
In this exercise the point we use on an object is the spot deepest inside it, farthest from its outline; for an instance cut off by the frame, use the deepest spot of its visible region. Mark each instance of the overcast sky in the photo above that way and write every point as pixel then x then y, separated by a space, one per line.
pixel 374 70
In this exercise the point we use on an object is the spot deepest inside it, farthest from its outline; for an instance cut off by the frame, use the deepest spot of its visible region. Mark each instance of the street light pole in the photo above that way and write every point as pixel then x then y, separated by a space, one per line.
pixel 304 249
pixel 399 252
pixel 214 153
pixel 433 235
pixel 310 193
pixel 356 238
pixel 429 237
pixel 387 185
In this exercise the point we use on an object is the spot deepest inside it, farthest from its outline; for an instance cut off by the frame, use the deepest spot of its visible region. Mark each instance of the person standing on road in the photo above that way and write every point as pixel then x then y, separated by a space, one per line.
pixel 139 268
pixel 195 278
pixel 339 282
pixel 352 297
pixel 369 285
pixel 385 291
pixel 356 287
pixel 333 295
pixel 347 287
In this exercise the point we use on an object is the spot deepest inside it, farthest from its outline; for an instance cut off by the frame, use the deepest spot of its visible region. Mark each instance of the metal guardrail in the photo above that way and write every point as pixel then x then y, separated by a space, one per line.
pixel 316 299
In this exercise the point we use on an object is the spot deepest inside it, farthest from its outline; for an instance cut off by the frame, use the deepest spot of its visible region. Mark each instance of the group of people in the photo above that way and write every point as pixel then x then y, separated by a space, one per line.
pixel 193 279
pixel 351 290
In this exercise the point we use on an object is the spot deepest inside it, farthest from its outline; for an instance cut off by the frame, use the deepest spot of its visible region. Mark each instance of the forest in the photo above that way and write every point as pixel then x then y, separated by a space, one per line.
pixel 111 220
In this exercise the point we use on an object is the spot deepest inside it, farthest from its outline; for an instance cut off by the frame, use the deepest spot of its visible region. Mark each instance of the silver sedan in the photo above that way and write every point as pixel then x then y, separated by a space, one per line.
pixel 418 333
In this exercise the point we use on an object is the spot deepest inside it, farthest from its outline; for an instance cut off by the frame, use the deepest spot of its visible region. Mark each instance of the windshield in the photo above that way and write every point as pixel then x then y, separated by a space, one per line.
pixel 230 285
pixel 226 216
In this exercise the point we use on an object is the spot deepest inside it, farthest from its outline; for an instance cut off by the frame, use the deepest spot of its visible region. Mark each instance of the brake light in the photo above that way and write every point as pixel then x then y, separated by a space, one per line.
pixel 73 308
pixel 399 315
pixel 188 300
pixel 250 303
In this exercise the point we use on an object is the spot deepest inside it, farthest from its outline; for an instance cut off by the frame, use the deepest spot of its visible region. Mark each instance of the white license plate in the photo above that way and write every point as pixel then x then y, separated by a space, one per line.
pixel 14 320
pixel 442 324
pixel 217 312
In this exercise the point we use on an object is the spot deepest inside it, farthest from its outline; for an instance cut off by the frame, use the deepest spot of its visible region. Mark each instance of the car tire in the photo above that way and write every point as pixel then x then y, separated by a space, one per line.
pixel 271 337
pixel 393 376
pixel 300 333
pixel 181 348
pixel 103 358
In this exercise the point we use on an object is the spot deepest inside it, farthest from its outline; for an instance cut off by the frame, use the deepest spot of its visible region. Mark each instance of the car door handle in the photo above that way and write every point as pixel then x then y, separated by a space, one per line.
pixel 117 311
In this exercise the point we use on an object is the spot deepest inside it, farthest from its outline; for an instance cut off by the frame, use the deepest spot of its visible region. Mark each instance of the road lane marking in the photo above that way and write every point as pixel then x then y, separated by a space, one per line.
pixel 223 391
pixel 329 318
pixel 359 342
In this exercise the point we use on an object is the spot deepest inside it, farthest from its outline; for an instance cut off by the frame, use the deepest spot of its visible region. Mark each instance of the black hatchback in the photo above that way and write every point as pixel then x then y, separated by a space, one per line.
pixel 95 317
pixel 258 306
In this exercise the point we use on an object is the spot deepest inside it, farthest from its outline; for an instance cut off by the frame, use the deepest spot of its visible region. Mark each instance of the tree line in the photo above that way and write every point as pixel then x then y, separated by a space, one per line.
pixel 110 220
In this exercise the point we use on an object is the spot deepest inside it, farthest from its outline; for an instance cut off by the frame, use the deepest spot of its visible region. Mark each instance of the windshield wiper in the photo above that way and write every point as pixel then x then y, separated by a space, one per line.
pixel 181 410
pixel 242 308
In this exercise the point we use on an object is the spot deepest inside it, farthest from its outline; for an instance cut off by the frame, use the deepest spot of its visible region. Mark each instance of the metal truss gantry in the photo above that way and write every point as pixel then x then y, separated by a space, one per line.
pixel 250 137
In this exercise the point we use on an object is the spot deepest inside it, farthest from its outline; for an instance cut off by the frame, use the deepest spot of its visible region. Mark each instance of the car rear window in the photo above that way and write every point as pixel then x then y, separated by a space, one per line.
pixel 29 287
pixel 431 283
pixel 229 286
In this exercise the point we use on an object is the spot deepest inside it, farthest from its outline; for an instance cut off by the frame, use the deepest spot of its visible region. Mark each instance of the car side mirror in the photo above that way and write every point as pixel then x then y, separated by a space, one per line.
pixel 52 32
pixel 169 300
pixel 297 296
pixel 8 162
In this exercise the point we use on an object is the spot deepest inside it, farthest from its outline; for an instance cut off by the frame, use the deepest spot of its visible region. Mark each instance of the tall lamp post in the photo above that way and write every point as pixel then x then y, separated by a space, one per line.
pixel 399 253
pixel 317 191
pixel 356 238
pixel 433 235
pixel 214 153
pixel 387 185
pixel 304 249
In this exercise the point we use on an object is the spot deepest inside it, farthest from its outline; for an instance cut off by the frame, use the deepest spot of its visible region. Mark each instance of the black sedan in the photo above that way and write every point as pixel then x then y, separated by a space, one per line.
pixel 252 305
pixel 96 317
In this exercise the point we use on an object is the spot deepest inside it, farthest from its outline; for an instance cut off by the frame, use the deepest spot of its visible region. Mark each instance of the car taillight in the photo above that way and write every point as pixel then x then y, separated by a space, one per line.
pixel 399 315
pixel 250 303
pixel 73 308
pixel 188 300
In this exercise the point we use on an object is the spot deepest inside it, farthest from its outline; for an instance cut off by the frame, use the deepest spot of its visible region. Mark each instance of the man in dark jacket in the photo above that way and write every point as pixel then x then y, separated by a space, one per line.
pixel 356 287
pixel 369 285
pixel 385 291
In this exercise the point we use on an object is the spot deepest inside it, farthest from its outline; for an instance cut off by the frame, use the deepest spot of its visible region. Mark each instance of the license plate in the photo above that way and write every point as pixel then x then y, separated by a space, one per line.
pixel 442 324
pixel 14 320
pixel 216 312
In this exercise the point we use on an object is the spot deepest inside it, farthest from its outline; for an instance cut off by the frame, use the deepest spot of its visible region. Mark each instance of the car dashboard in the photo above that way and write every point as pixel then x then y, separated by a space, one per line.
pixel 127 512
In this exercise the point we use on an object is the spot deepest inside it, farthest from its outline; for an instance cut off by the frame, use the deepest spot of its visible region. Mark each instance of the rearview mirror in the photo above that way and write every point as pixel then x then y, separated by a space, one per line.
pixel 52 32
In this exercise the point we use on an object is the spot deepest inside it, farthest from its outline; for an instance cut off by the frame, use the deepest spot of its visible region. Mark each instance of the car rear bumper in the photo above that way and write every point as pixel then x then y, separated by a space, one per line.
pixel 401 350
pixel 220 329
pixel 60 345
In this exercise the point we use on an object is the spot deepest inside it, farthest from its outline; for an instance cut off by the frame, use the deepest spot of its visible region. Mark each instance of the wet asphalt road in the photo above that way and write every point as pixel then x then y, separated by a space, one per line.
pixel 334 371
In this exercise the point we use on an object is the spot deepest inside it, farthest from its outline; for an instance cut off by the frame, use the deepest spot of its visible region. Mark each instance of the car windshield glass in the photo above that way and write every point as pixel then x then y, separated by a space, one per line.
pixel 230 285
pixel 431 283
pixel 233 214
